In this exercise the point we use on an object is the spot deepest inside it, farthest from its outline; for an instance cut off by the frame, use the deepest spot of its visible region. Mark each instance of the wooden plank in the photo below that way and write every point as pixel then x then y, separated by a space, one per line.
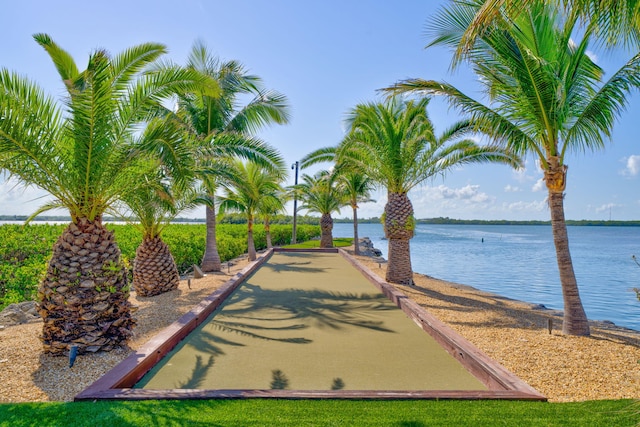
pixel 142 394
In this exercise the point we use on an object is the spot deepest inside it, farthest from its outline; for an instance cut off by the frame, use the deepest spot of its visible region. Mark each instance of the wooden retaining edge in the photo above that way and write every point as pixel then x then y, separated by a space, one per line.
pixel 144 394
pixel 495 376
pixel 128 372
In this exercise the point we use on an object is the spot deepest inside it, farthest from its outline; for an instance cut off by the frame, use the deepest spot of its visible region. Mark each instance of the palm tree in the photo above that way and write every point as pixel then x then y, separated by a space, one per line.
pixel 272 206
pixel 320 193
pixel 224 126
pixel 167 192
pixel 547 98
pixel 353 182
pixel 395 145
pixel 256 190
pixel 358 187
pixel 612 21
pixel 84 157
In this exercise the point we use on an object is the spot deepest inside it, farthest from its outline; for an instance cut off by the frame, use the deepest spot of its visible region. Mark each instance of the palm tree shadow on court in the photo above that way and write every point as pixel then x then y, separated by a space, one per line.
pixel 254 313
pixel 198 375
pixel 298 267
pixel 334 310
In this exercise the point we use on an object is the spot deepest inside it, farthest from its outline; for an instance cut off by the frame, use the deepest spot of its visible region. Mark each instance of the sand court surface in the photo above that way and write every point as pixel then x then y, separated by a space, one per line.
pixel 309 321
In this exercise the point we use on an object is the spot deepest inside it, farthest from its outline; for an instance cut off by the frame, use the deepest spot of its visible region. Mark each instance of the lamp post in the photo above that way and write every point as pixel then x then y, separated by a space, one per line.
pixel 295 205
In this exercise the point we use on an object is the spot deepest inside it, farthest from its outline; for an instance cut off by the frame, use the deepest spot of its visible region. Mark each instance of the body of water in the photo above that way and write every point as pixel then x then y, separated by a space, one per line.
pixel 519 262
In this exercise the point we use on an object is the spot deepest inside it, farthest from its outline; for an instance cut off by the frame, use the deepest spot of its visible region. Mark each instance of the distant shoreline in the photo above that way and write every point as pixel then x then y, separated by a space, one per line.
pixel 438 221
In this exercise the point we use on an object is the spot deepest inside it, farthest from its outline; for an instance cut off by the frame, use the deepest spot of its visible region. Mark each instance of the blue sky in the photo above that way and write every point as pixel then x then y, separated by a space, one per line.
pixel 326 57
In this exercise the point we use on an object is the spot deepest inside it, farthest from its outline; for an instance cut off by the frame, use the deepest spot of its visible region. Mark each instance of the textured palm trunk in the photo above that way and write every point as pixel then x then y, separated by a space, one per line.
pixel 154 269
pixel 84 297
pixel 251 247
pixel 398 228
pixel 267 232
pixel 575 320
pixel 211 258
pixel 356 243
pixel 326 229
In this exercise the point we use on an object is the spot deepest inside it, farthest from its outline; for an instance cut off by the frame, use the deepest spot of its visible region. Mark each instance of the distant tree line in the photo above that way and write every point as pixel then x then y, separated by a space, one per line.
pixel 236 218
pixel 452 221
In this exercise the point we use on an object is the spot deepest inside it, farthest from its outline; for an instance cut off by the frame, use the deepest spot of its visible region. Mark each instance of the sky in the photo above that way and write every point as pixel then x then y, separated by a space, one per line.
pixel 326 57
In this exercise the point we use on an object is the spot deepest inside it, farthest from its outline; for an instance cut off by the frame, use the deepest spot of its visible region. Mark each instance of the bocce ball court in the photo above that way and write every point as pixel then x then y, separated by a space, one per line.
pixel 308 324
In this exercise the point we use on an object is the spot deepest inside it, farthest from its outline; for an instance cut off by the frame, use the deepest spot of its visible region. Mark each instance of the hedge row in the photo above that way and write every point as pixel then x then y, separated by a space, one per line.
pixel 25 250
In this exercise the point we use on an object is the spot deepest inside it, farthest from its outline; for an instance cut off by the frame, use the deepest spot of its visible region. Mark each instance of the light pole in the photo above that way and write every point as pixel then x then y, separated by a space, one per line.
pixel 295 204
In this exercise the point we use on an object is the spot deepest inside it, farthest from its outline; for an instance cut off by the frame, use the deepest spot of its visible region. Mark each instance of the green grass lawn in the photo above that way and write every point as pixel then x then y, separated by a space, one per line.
pixel 338 242
pixel 320 413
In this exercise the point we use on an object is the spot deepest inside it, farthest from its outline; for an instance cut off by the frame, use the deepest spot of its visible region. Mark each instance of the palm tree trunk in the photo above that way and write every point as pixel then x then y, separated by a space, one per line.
pixel 398 228
pixel 326 228
pixel 575 320
pixel 84 297
pixel 211 258
pixel 356 243
pixel 251 247
pixel 154 269
pixel 267 232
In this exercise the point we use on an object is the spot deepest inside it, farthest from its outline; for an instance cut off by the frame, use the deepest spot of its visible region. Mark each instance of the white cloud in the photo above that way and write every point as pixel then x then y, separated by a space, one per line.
pixel 466 202
pixel 535 206
pixel 468 193
pixel 632 165
pixel 607 207
pixel 511 189
pixel 538 186
pixel 17 199
pixel 592 55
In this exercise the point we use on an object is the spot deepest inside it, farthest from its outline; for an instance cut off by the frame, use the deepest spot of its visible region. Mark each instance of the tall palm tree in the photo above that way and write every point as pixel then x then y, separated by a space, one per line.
pixel 395 145
pixel 84 157
pixel 358 187
pixel 225 126
pixel 320 193
pixel 547 98
pixel 255 191
pixel 613 21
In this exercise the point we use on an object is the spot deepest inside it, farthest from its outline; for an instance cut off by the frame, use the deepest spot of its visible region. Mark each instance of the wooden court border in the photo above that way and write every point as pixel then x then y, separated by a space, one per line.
pixel 117 383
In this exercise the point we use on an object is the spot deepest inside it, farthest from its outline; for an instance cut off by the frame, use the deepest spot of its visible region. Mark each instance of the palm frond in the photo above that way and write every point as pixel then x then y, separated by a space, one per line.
pixel 63 61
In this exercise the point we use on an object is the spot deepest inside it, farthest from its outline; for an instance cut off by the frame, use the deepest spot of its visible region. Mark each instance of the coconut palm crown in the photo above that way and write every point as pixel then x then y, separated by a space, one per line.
pixel 395 145
pixel 224 126
pixel 546 98
pixel 613 22
pixel 82 156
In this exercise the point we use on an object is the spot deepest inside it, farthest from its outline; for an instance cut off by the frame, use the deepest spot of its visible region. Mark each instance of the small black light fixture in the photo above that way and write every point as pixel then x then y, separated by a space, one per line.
pixel 73 353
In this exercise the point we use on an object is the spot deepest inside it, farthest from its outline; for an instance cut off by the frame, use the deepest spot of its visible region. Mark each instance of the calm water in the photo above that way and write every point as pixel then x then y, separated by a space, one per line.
pixel 518 261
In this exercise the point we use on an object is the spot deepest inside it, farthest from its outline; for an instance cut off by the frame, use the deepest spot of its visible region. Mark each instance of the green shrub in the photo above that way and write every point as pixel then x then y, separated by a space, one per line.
pixel 26 250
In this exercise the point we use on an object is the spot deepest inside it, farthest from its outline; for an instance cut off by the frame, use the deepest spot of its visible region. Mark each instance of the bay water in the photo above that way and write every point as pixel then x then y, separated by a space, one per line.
pixel 519 262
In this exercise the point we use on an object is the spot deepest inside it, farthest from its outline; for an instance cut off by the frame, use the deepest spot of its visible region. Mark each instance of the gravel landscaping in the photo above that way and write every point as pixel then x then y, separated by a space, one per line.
pixel 605 365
